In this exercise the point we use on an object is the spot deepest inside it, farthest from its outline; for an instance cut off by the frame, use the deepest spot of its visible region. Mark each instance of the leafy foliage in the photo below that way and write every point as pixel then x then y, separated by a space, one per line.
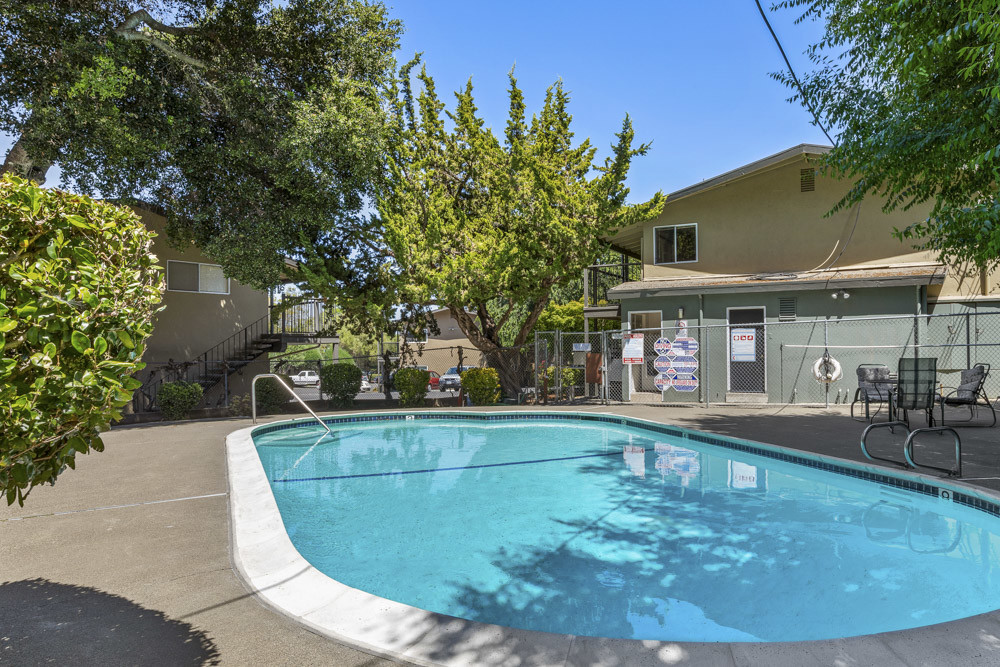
pixel 78 290
pixel 259 127
pixel 913 89
pixel 571 377
pixel 569 317
pixel 272 398
pixel 341 382
pixel 489 225
pixel 412 386
pixel 177 399
pixel 482 385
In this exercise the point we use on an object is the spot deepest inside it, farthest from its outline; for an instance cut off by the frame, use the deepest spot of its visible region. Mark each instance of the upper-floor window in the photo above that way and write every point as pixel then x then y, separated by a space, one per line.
pixel 675 244
pixel 196 277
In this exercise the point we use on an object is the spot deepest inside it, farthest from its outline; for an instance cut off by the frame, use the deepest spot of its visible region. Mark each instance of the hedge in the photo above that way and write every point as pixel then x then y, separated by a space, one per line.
pixel 78 291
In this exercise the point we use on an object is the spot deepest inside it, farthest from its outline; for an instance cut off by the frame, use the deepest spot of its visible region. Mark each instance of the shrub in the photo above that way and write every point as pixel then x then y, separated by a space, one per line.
pixel 412 386
pixel 176 399
pixel 271 396
pixel 341 382
pixel 78 291
pixel 239 406
pixel 571 377
pixel 482 385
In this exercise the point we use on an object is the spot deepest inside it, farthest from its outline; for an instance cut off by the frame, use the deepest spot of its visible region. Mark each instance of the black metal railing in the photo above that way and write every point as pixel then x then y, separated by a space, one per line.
pixel 602 277
pixel 232 354
pixel 303 317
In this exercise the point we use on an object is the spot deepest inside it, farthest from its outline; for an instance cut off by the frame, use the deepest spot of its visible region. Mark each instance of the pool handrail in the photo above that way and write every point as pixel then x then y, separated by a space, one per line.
pixel 908 449
pixel 253 398
pixel 864 437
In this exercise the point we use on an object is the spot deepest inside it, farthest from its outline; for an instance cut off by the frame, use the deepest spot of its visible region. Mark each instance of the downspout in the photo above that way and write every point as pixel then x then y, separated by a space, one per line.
pixel 702 333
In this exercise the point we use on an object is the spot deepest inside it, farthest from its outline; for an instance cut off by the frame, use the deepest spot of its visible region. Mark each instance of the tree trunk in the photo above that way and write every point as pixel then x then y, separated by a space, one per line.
pixel 19 162
pixel 511 364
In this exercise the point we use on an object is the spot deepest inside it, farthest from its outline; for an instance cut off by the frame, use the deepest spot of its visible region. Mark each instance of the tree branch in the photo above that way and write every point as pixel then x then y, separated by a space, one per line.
pixel 130 30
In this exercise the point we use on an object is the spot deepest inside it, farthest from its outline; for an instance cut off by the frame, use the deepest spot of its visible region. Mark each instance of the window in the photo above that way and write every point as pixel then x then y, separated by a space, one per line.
pixel 195 277
pixel 676 244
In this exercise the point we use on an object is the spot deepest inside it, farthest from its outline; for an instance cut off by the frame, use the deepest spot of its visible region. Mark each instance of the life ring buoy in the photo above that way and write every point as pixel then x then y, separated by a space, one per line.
pixel 827 369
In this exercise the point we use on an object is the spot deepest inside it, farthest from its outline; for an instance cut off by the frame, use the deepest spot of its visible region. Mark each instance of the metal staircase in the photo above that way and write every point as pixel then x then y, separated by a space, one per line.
pixel 301 323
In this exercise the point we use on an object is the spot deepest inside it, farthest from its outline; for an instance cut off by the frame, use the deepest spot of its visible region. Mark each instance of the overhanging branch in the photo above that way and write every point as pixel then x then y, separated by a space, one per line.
pixel 130 30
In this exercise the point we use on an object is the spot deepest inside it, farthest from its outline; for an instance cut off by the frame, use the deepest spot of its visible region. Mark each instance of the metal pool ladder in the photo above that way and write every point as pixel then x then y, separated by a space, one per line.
pixel 253 398
pixel 908 446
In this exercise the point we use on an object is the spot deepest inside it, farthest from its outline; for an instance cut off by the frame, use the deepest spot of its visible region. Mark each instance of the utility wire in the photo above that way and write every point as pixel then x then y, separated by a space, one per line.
pixel 795 78
pixel 819 124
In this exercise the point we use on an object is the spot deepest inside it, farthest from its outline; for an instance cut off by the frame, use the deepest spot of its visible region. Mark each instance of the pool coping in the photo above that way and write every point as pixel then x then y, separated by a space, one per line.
pixel 273 569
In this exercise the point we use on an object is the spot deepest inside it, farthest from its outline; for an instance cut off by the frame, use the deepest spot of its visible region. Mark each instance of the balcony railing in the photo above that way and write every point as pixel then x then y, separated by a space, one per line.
pixel 599 278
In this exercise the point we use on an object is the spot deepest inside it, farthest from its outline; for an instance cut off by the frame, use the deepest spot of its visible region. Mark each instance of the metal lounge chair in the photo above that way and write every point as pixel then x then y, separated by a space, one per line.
pixel 874 386
pixel 969 394
pixel 917 378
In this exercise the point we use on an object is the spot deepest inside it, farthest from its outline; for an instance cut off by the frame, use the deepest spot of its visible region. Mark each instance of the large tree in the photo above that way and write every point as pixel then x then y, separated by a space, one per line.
pixel 486 225
pixel 258 127
pixel 912 89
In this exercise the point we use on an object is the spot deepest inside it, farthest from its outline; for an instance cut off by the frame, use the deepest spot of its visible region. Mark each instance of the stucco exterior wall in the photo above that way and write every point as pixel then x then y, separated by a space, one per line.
pixel 192 322
pixel 764 223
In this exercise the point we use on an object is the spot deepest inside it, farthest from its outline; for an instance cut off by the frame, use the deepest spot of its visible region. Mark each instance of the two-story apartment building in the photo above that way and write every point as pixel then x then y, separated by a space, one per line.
pixel 756 245
pixel 439 351
pixel 213 329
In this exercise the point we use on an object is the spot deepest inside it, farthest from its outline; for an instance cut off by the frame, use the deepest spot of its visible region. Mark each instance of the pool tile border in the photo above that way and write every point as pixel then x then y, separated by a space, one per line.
pixel 856 471
pixel 273 569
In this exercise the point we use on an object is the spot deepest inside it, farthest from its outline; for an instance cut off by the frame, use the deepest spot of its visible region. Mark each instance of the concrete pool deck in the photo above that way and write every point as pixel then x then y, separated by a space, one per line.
pixel 127 561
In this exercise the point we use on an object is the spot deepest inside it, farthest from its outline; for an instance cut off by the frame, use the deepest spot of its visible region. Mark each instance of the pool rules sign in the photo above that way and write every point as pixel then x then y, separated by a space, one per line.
pixel 632 350
pixel 676 364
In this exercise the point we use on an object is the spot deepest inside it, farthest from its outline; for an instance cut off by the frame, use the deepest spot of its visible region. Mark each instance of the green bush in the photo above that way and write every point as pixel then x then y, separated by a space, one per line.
pixel 482 385
pixel 341 382
pixel 78 291
pixel 571 377
pixel 412 386
pixel 272 397
pixel 176 399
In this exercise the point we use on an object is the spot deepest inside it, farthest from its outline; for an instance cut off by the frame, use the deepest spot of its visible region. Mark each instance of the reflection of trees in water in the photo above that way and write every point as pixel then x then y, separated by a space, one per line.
pixel 658 548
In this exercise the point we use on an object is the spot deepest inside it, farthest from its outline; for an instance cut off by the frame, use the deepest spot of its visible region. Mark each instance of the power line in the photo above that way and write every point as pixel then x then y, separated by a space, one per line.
pixel 795 78
pixel 819 124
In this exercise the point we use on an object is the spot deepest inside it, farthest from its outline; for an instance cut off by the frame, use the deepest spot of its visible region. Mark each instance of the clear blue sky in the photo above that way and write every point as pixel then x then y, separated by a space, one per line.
pixel 693 75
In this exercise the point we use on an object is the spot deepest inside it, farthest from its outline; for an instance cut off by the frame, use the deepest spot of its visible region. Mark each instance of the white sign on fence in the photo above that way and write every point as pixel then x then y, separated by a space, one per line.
pixel 581 347
pixel 743 344
pixel 632 348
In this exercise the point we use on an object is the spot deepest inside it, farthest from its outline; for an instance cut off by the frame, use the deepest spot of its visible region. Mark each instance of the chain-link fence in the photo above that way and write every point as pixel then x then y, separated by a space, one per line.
pixel 746 361
pixel 515 368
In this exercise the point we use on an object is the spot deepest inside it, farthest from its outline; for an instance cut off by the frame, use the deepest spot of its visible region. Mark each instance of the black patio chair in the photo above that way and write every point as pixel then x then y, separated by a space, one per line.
pixel 971 395
pixel 874 386
pixel 916 381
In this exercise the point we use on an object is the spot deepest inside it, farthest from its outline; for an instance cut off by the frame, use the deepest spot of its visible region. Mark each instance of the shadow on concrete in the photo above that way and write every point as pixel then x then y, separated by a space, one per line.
pixel 44 622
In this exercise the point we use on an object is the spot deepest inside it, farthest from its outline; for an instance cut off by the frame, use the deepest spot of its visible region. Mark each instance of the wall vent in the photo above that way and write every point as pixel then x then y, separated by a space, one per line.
pixel 807 179
pixel 786 309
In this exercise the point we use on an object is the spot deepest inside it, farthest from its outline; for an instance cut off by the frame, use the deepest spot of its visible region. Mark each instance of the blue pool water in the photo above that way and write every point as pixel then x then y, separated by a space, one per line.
pixel 610 530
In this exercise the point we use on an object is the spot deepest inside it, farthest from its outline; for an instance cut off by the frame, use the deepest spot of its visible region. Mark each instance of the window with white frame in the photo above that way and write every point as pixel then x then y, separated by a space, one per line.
pixel 675 244
pixel 196 277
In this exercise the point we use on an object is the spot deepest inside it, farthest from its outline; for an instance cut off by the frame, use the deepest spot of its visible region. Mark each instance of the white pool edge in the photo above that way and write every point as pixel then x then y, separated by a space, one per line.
pixel 273 569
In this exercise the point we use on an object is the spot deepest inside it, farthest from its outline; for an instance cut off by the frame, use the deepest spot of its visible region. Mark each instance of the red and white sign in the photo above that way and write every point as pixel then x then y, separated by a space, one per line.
pixel 632 348
pixel 662 346
pixel 743 345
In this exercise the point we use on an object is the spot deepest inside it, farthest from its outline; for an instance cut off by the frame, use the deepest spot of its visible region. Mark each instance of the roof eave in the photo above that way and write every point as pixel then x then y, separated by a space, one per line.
pixel 781 286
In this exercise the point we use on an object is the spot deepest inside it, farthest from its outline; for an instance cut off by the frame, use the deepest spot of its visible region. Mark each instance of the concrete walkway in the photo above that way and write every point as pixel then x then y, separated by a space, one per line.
pixel 126 560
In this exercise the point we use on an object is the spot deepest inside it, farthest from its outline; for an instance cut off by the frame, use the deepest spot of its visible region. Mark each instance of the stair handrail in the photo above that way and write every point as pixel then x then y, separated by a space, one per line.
pixel 253 398
pixel 908 449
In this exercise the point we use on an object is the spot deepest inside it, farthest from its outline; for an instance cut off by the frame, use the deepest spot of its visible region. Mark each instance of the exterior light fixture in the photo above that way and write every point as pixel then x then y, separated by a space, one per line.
pixel 841 294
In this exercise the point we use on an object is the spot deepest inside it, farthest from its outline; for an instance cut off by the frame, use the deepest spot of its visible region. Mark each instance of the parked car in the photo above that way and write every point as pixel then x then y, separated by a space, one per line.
pixel 305 378
pixel 452 380
pixel 366 384
pixel 434 382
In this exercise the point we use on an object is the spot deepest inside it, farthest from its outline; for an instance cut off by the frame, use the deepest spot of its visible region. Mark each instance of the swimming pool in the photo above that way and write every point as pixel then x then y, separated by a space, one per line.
pixel 610 527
